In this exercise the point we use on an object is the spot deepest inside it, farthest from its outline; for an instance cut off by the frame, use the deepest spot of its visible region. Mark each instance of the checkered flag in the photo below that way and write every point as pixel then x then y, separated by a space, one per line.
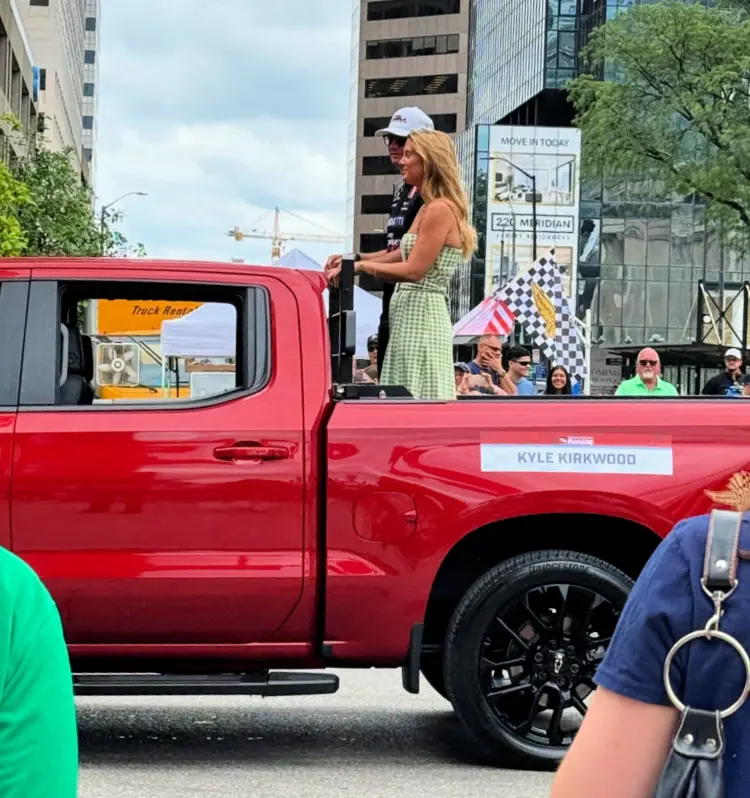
pixel 537 299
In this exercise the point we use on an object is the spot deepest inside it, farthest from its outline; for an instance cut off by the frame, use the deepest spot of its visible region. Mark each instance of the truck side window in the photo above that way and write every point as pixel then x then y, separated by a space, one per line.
pixel 134 343
pixel 159 349
pixel 13 299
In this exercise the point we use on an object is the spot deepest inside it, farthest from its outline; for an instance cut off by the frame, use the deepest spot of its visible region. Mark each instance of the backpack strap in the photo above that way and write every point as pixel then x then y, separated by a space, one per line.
pixel 722 546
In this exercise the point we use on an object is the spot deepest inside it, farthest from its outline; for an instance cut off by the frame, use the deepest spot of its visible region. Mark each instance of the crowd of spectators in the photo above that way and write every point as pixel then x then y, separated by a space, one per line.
pixel 503 370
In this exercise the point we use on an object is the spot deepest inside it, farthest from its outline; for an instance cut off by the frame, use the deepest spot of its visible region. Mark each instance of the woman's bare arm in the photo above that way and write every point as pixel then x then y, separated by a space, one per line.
pixel 619 751
pixel 394 256
pixel 435 226
pixel 332 268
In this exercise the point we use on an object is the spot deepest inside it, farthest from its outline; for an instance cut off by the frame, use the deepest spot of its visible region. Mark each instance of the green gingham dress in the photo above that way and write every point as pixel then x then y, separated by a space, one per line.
pixel 420 349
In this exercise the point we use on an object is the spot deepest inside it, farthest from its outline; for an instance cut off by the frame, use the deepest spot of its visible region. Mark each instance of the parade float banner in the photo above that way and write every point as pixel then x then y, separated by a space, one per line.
pixel 576 454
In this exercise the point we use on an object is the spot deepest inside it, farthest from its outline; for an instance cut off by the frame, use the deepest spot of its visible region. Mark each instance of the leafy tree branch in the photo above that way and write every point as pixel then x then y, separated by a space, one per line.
pixel 679 112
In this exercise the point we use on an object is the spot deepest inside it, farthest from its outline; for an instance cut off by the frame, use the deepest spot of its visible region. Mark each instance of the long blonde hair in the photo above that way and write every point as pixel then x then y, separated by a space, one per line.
pixel 442 181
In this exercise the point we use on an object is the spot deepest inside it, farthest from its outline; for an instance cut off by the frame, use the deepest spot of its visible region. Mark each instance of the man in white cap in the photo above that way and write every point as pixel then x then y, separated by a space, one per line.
pixel 728 382
pixel 404 208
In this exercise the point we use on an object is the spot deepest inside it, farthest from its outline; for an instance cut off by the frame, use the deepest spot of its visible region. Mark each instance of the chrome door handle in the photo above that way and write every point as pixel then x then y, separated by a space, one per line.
pixel 251 452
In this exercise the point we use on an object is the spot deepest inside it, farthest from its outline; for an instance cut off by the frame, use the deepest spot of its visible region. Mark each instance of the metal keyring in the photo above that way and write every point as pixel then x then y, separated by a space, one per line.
pixel 704 633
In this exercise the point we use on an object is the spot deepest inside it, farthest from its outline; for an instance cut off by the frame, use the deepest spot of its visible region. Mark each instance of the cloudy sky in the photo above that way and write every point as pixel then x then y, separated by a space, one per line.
pixel 221 111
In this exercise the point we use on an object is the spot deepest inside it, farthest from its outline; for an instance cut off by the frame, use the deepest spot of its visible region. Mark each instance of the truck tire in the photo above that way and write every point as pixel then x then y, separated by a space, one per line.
pixel 522 648
pixel 432 670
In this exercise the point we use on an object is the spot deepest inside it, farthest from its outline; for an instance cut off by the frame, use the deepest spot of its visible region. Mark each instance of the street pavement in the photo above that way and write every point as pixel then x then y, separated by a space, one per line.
pixel 370 740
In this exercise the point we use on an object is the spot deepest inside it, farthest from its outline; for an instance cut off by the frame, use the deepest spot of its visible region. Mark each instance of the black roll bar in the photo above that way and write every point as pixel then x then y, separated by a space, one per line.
pixel 342 324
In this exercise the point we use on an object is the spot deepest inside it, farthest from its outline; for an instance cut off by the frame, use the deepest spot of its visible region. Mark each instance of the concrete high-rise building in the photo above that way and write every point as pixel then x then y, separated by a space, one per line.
pixel 404 53
pixel 16 82
pixel 90 86
pixel 56 32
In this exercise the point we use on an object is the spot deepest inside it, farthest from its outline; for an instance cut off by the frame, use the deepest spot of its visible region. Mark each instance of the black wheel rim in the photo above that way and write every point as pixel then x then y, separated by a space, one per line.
pixel 538 659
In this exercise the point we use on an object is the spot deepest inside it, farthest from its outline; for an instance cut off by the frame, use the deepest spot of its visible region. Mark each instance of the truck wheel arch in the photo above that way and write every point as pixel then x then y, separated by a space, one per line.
pixel 622 541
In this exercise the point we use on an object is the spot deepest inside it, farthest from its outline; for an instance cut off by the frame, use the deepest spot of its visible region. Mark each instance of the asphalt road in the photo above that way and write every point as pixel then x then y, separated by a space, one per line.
pixel 371 739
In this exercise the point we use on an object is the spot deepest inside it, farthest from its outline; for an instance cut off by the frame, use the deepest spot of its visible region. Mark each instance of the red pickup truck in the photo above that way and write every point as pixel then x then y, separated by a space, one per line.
pixel 226 542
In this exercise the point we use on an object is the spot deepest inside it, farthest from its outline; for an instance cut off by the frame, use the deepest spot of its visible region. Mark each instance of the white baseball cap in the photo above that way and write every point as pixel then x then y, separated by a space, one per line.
pixel 733 353
pixel 407 120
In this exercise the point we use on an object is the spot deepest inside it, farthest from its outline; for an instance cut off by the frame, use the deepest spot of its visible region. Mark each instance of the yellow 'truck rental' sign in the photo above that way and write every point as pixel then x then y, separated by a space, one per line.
pixel 134 317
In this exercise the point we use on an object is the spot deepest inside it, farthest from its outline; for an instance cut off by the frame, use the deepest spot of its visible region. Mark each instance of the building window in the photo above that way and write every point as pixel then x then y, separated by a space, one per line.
pixel 376 203
pixel 401 9
pixel 88 122
pixel 88 89
pixel 91 23
pixel 42 80
pixel 89 56
pixel 38 2
pixel 415 46
pixel 374 123
pixel 447 123
pixel 88 154
pixel 407 87
pixel 372 242
pixel 378 165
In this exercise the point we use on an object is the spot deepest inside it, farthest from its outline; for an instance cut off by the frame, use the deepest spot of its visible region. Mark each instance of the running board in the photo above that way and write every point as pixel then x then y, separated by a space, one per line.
pixel 261 683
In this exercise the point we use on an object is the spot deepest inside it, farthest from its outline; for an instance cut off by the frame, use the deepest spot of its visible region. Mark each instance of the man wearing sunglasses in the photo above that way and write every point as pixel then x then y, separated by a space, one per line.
pixel 647 381
pixel 372 349
pixel 404 208
pixel 519 363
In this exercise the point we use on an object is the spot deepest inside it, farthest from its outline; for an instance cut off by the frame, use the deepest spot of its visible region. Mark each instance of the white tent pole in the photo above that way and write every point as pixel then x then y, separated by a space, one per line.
pixel 583 328
pixel 587 383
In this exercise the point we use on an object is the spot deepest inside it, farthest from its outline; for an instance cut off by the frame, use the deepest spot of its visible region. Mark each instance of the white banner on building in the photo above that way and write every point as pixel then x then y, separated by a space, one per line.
pixel 552 156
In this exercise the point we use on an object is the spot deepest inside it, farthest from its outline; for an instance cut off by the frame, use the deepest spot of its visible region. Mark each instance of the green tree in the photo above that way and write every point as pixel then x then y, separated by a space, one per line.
pixel 14 197
pixel 59 219
pixel 46 208
pixel 678 108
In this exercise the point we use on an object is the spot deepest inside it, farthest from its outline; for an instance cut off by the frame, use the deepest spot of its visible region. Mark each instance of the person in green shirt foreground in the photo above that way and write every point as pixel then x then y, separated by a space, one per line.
pixel 647 381
pixel 38 734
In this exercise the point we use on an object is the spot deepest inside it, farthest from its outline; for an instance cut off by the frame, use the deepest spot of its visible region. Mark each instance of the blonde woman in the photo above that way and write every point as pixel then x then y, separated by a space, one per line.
pixel 420 350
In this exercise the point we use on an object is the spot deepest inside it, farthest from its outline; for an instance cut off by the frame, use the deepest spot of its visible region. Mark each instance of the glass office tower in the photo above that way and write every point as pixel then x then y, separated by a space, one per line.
pixel 641 253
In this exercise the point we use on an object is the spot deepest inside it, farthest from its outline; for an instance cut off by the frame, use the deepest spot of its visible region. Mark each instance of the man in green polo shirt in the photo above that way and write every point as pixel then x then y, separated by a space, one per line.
pixel 647 381
pixel 38 737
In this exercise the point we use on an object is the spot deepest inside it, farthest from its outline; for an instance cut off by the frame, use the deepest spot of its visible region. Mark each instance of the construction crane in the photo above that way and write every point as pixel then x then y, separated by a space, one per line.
pixel 279 239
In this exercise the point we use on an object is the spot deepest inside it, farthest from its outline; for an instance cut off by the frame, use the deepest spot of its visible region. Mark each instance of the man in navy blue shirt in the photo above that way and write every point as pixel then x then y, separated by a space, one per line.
pixel 489 361
pixel 727 383
pixel 627 733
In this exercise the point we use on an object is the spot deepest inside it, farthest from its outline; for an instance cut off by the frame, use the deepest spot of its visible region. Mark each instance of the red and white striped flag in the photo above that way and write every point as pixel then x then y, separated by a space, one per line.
pixel 489 317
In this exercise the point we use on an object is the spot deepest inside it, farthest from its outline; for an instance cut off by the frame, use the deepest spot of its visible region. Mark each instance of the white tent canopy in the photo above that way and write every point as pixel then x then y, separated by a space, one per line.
pixel 366 305
pixel 211 329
